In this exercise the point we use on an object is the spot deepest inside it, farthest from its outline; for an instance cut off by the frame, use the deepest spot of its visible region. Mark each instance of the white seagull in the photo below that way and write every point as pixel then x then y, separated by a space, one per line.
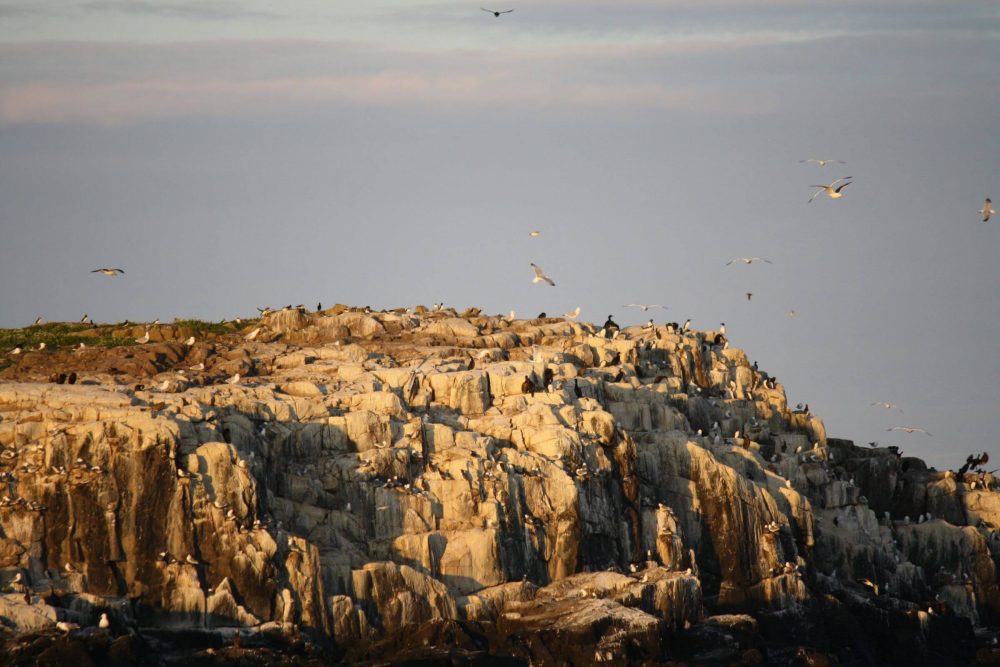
pixel 987 210
pixel 748 260
pixel 534 234
pixel 908 429
pixel 540 276
pixel 253 334
pixel 831 191
pixel 822 162
pixel 495 12
pixel 190 341
pixel 108 271
pixel 234 380
pixel 144 339
pixel 573 315
pixel 104 623
pixel 644 306
pixel 887 406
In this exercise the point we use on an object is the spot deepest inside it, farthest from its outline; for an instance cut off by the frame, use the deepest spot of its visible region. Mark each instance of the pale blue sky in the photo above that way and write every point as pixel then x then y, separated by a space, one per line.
pixel 229 155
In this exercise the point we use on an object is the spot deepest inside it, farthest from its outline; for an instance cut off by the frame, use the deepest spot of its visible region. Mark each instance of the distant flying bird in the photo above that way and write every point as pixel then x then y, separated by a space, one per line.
pixel 534 234
pixel 822 163
pixel 748 260
pixel 108 271
pixel 644 306
pixel 573 315
pixel 831 191
pixel 887 406
pixel 908 429
pixel 987 210
pixel 749 295
pixel 496 13
pixel 792 313
pixel 540 276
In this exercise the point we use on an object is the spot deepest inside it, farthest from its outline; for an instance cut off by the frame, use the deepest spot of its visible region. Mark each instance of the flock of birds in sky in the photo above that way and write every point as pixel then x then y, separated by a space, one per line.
pixel 833 190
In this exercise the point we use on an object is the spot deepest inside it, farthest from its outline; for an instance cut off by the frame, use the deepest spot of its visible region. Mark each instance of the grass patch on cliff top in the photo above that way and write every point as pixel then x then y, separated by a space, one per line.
pixel 203 327
pixel 59 335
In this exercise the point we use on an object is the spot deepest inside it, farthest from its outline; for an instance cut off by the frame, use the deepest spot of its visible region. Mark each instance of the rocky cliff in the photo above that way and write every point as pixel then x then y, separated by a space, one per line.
pixel 427 486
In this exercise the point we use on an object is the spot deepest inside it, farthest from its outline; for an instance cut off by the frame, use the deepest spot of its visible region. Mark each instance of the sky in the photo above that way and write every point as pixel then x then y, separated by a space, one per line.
pixel 234 154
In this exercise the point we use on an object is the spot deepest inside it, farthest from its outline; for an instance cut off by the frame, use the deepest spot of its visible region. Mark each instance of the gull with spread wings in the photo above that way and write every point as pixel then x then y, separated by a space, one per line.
pixel 832 190
pixel 540 276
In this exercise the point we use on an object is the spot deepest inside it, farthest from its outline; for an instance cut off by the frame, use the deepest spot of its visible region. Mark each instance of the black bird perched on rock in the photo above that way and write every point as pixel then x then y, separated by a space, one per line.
pixel 547 377
pixel 610 327
pixel 528 387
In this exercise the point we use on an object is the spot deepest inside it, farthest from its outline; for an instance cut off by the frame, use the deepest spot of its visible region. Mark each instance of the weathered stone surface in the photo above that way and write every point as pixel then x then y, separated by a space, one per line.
pixel 524 488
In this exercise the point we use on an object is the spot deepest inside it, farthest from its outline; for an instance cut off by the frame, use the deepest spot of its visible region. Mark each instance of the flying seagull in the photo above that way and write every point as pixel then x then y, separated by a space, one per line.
pixel 822 163
pixel 573 315
pixel 831 191
pixel 535 234
pixel 792 313
pixel 496 13
pixel 108 271
pixel 908 429
pixel 748 260
pixel 749 295
pixel 644 306
pixel 540 276
pixel 887 406
pixel 987 210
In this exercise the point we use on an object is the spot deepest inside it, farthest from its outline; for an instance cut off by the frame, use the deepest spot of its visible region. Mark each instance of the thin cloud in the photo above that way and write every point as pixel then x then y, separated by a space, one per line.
pixel 202 9
pixel 114 103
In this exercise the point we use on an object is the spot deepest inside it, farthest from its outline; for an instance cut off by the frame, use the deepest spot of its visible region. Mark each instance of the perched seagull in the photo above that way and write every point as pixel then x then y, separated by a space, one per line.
pixel 104 623
pixel 496 13
pixel 831 191
pixel 41 346
pixel 644 306
pixel 822 163
pixel 253 334
pixel 234 380
pixel 987 210
pixel 534 234
pixel 67 627
pixel 190 341
pixel 38 321
pixel 144 339
pixel 198 367
pixel 108 272
pixel 887 406
pixel 575 314
pixel 190 560
pixel 908 429
pixel 16 351
pixel 540 275
pixel 748 260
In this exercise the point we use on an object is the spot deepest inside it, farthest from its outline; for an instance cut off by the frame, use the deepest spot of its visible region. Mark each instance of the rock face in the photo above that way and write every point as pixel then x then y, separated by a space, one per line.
pixel 391 485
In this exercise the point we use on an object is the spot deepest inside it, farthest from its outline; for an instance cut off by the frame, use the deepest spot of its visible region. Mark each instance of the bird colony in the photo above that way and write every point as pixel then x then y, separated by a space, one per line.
pixel 379 485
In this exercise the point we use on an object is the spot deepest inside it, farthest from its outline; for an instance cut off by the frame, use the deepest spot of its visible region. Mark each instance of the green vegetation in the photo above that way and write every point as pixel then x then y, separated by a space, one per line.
pixel 60 335
pixel 202 327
